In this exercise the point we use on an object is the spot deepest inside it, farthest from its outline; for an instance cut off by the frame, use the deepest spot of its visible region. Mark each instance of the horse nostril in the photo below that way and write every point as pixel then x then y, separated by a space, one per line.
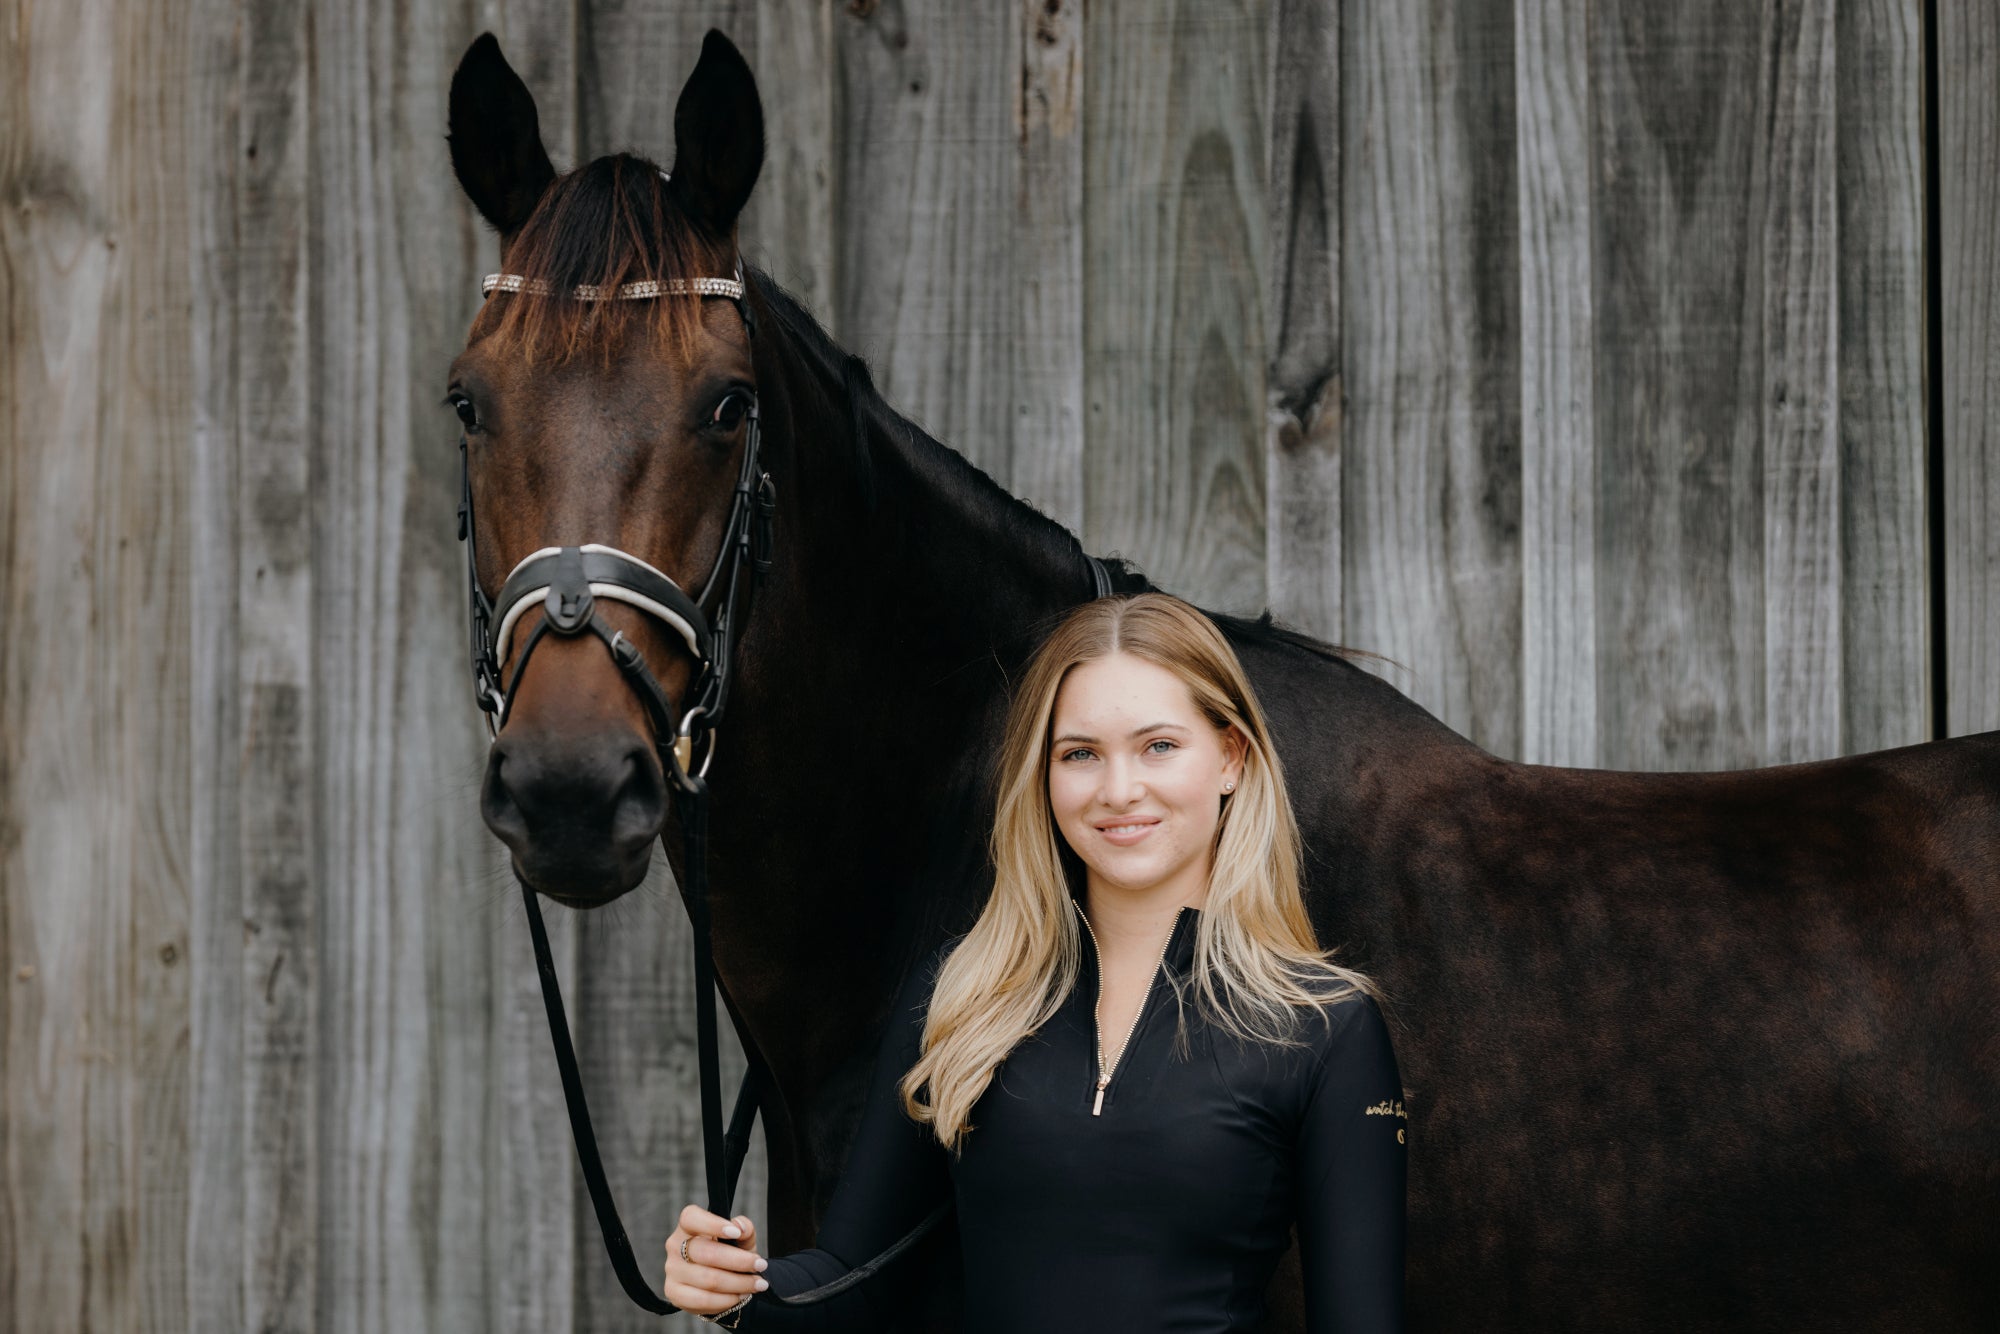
pixel 497 804
pixel 639 807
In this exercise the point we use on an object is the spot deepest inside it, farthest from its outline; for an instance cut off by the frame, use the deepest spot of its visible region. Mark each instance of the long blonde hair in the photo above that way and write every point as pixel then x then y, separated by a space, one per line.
pixel 1257 966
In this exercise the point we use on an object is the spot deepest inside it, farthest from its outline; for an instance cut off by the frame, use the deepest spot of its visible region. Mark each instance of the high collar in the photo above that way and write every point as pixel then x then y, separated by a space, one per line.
pixel 1180 944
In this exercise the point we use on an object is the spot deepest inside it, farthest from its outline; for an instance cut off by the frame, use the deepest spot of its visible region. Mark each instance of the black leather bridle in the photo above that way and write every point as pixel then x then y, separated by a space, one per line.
pixel 569 582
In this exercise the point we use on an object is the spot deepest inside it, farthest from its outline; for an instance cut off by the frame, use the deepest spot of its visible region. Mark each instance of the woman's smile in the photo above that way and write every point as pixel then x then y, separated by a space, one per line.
pixel 1127 832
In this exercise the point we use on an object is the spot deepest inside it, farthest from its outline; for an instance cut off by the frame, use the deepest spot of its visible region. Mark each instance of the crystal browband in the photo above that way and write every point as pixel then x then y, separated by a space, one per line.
pixel 514 282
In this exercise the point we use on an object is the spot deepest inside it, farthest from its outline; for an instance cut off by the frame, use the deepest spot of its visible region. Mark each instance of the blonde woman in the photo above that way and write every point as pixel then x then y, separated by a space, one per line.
pixel 1138 1073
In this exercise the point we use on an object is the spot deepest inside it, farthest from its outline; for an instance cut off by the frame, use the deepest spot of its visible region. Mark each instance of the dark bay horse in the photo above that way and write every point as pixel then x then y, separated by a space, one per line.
pixel 1711 1051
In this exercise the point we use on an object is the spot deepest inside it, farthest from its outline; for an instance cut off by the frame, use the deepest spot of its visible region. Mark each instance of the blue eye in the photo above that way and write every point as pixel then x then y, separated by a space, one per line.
pixel 1161 742
pixel 1072 754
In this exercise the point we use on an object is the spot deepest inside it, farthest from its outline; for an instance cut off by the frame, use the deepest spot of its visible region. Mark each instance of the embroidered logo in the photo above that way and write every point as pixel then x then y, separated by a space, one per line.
pixel 1392 1107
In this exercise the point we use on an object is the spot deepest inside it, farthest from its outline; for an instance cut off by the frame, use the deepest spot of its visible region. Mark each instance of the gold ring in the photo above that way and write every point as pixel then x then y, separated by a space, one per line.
pixel 684 1248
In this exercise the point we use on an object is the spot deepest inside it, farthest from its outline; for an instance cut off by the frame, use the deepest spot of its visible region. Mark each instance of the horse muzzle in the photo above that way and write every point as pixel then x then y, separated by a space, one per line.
pixel 580 819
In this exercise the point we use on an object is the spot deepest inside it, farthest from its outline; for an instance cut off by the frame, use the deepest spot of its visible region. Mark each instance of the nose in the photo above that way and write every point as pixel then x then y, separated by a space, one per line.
pixel 1121 785
pixel 579 817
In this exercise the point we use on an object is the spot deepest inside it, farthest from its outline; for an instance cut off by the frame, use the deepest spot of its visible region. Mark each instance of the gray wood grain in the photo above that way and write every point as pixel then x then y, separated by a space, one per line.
pixel 1304 386
pixel 1678 132
pixel 408 1071
pixel 1174 281
pixel 1048 443
pixel 145 553
pixel 1431 312
pixel 788 229
pixel 1800 391
pixel 1969 179
pixel 215 1283
pixel 1885 670
pixel 93 794
pixel 924 201
pixel 1559 685
pixel 56 269
pixel 277 649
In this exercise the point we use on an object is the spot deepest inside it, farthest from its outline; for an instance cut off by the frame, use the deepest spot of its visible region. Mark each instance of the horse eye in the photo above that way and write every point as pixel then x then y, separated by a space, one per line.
pixel 729 412
pixel 466 412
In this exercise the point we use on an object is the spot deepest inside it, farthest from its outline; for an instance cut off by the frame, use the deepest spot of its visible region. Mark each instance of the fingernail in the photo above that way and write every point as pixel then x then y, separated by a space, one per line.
pixel 761 1263
pixel 732 1231
pixel 762 1284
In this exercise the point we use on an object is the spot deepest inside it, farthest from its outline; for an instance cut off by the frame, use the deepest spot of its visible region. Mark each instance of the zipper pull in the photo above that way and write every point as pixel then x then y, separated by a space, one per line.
pixel 1097 1106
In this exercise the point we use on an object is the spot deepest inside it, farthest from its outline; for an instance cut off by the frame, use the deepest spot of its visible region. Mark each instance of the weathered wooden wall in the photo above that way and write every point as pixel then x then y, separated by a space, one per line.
pixel 1572 353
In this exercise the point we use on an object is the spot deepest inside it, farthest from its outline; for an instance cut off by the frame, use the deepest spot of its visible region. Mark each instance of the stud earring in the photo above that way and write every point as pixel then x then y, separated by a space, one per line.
pixel 1229 787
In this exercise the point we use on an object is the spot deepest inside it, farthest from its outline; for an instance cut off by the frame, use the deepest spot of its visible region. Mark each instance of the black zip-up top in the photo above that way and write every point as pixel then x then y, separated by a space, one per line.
pixel 1159 1199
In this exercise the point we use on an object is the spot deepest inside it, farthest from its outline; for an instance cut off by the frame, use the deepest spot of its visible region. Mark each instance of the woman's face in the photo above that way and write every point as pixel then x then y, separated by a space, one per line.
pixel 1136 776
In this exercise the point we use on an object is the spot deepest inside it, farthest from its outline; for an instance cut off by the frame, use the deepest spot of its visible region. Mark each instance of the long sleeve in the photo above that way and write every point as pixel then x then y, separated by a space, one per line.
pixel 1352 1164
pixel 896 1174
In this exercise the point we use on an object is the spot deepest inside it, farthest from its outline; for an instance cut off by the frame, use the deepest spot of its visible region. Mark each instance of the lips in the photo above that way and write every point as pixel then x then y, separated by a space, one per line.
pixel 1124 833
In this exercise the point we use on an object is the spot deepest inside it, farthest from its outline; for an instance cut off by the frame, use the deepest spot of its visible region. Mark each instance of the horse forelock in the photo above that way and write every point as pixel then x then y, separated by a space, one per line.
pixel 607 223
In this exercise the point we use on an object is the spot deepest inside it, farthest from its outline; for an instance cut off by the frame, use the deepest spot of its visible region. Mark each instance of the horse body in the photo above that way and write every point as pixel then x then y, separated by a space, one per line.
pixel 1683 1050
pixel 1714 1050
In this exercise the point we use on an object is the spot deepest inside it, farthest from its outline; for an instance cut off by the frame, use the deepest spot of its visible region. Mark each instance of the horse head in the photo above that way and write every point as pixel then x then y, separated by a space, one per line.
pixel 608 401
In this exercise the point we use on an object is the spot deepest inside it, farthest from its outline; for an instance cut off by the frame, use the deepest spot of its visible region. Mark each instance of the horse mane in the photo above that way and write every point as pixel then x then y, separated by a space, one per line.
pixel 611 221
pixel 871 416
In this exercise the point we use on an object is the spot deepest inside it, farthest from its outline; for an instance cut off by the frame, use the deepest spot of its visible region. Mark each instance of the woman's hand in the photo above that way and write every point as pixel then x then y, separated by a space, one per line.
pixel 721 1265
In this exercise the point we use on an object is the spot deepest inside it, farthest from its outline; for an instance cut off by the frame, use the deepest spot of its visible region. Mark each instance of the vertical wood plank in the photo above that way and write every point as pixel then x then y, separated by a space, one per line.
pixel 788 229
pixel 1304 386
pixel 1559 722
pixel 276 649
pixel 1676 260
pixel 1048 444
pixel 1431 309
pixel 1969 199
pixel 1800 392
pixel 148 375
pixel 924 199
pixel 415 916
pixel 1885 670
pixel 633 1003
pixel 1174 281
pixel 216 1287
pixel 58 1040
pixel 93 760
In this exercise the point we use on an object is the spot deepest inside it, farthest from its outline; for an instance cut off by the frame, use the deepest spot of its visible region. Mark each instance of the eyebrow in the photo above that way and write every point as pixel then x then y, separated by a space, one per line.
pixel 1134 735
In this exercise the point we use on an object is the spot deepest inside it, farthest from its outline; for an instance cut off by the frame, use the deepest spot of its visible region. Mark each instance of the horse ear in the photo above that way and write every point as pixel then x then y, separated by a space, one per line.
pixel 718 136
pixel 496 138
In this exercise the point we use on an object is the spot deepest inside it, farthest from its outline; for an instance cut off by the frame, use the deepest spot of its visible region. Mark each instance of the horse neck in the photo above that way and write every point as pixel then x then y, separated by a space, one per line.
pixel 873 669
pixel 933 559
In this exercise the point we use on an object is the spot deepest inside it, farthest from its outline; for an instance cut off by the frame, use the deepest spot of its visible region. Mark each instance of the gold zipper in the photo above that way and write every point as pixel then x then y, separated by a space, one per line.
pixel 1104 1071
